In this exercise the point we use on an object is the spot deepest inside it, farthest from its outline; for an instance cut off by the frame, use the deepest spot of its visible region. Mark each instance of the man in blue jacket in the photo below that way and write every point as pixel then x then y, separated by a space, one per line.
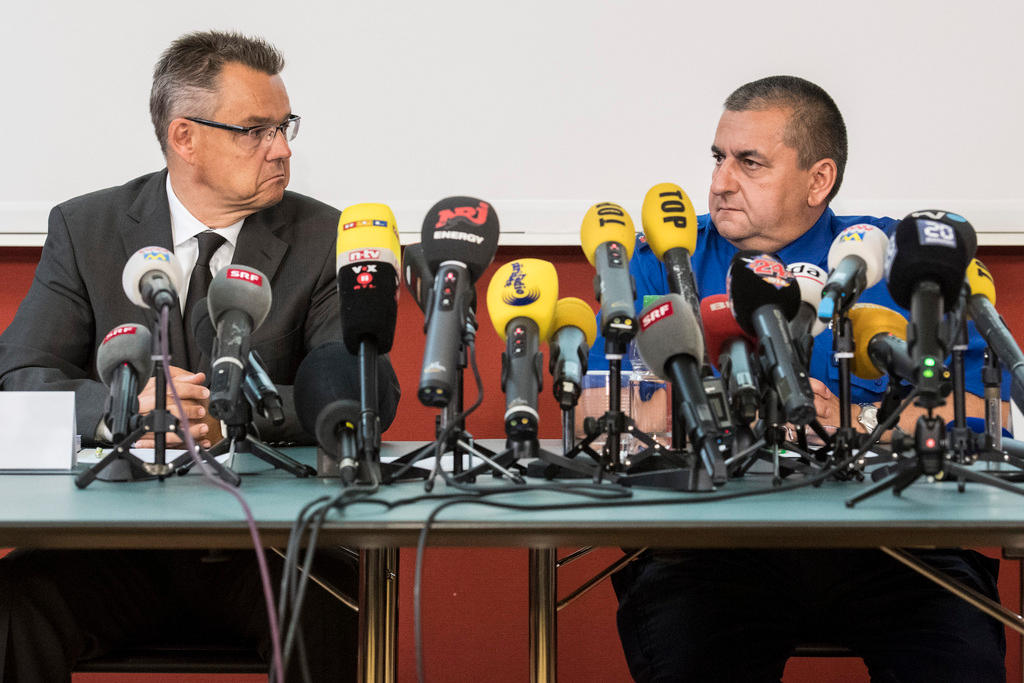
pixel 735 615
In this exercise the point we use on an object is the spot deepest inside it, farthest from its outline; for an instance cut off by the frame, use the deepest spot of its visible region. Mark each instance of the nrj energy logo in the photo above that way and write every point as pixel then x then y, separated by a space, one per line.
pixel 476 215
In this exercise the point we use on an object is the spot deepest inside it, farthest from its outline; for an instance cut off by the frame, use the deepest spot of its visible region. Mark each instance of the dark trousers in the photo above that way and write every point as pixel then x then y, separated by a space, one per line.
pixel 736 615
pixel 61 606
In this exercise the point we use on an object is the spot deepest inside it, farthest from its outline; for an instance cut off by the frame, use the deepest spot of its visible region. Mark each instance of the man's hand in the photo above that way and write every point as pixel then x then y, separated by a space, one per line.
pixel 826 405
pixel 194 398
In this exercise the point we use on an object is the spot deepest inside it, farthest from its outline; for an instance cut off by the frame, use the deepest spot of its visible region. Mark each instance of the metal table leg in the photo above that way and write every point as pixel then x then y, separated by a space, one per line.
pixel 543 620
pixel 378 615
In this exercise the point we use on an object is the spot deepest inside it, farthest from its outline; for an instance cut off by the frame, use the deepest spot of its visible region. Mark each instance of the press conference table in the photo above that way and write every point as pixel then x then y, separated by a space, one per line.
pixel 47 510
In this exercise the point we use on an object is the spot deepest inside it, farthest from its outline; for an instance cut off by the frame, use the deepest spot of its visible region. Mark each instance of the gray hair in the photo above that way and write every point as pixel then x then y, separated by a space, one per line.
pixel 185 77
pixel 815 130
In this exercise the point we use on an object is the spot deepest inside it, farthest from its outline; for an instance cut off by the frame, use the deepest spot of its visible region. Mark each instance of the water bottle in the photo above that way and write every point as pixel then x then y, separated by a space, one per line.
pixel 649 403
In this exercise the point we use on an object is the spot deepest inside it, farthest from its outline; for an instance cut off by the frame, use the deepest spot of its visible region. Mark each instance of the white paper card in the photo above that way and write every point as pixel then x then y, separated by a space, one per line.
pixel 37 430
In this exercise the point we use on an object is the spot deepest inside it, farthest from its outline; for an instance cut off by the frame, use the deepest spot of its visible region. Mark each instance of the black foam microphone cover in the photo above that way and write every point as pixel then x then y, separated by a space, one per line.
pixel 757 279
pixel 929 245
pixel 418 277
pixel 461 229
pixel 368 292
pixel 330 373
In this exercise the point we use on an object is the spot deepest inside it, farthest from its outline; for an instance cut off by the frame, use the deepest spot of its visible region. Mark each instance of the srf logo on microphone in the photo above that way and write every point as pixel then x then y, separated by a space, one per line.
pixel 118 331
pixel 476 215
pixel 656 314
pixel 245 275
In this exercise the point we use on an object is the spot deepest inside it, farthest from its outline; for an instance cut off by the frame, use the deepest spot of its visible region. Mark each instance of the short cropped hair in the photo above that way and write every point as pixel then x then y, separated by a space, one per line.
pixel 815 130
pixel 185 77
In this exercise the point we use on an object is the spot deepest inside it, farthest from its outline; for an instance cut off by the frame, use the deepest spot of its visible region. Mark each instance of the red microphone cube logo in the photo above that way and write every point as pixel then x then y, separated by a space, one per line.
pixel 118 331
pixel 245 275
pixel 655 314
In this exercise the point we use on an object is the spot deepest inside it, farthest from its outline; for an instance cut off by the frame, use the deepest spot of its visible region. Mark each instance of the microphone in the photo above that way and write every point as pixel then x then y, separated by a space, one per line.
pixel 805 326
pixel 327 403
pixel 368 271
pixel 573 333
pixel 882 349
pixel 729 349
pixel 670 226
pixel 257 386
pixel 671 344
pixel 924 270
pixel 521 299
pixel 459 238
pixel 124 361
pixel 855 262
pixel 238 301
pixel 992 327
pixel 607 236
pixel 764 298
pixel 418 278
pixel 152 278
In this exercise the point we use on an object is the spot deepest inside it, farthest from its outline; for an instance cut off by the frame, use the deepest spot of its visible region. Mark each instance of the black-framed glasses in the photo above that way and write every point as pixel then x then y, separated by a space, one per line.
pixel 253 137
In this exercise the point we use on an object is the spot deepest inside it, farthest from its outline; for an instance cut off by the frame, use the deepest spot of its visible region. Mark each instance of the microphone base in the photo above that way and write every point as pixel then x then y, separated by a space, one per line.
pixel 247 450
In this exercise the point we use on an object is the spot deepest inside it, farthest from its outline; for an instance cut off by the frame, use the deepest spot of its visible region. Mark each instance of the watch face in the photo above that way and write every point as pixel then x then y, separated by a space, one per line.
pixel 868 416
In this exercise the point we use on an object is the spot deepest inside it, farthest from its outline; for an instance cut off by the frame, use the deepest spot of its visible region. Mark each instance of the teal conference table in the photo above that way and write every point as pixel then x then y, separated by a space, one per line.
pixel 47 510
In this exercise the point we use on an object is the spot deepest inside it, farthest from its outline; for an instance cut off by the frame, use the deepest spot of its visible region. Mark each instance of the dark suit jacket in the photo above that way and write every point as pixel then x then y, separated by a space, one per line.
pixel 77 297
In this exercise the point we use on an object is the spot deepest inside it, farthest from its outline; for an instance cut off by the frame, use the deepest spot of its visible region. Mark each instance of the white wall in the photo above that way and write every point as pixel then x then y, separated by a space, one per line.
pixel 541 107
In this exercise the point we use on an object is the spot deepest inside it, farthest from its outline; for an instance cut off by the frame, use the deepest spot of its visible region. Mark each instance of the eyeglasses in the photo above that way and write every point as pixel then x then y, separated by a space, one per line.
pixel 253 137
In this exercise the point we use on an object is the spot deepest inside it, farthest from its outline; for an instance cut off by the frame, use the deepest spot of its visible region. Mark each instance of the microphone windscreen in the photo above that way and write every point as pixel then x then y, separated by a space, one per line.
pixel 368 292
pixel 980 280
pixel 129 343
pixel 929 245
pixel 811 280
pixel 866 241
pixel 367 232
pixel 668 328
pixel 202 327
pixel 239 288
pixel 572 311
pixel 669 219
pixel 418 277
pixel 606 222
pixel 523 288
pixel 757 279
pixel 145 260
pixel 720 325
pixel 866 321
pixel 461 229
pixel 329 373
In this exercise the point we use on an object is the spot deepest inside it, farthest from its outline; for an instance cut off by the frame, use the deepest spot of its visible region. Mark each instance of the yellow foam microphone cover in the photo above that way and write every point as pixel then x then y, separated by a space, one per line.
pixel 527 288
pixel 868 320
pixel 368 232
pixel 607 222
pixel 575 312
pixel 669 219
pixel 979 279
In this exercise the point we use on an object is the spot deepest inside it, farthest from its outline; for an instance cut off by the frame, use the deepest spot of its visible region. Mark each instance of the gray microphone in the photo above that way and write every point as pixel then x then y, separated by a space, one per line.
pixel 152 278
pixel 239 301
pixel 123 362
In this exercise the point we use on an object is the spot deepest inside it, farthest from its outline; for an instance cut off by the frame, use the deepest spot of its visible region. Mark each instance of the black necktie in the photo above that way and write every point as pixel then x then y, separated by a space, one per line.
pixel 198 284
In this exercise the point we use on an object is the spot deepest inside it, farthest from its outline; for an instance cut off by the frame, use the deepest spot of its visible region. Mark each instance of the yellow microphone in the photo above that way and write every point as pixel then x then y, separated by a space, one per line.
pixel 572 334
pixel 881 347
pixel 607 236
pixel 368 265
pixel 992 327
pixel 521 299
pixel 670 226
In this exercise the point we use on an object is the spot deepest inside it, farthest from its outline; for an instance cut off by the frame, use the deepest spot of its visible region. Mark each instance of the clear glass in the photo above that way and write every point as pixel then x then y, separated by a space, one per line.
pixel 649 403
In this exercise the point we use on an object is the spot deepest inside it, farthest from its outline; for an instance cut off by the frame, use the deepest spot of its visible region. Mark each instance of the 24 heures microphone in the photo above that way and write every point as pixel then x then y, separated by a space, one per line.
pixel 124 361
pixel 521 299
pixel 459 238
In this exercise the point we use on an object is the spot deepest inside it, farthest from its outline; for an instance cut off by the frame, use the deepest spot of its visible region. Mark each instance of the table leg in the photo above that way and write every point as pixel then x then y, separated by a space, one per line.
pixel 543 619
pixel 378 615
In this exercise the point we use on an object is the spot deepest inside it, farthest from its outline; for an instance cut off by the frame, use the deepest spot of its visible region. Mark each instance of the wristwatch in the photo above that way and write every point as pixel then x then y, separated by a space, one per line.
pixel 868 417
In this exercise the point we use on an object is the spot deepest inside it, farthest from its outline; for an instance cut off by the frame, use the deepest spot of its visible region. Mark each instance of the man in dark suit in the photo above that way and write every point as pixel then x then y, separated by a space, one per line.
pixel 224 122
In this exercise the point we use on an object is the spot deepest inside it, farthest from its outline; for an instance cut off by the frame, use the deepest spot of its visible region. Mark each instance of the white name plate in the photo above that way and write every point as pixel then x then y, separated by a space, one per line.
pixel 37 430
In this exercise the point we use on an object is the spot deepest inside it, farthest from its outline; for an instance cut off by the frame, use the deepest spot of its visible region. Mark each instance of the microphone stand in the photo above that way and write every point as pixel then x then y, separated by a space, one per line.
pixel 123 465
pixel 845 438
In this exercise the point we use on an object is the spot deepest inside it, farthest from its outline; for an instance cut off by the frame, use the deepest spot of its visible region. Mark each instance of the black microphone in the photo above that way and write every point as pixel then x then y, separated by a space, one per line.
pixel 152 278
pixel 573 333
pixel 608 236
pixel 459 238
pixel 924 270
pixel 418 278
pixel 764 298
pixel 124 361
pixel 257 386
pixel 327 393
pixel 855 262
pixel 671 345
pixel 238 300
